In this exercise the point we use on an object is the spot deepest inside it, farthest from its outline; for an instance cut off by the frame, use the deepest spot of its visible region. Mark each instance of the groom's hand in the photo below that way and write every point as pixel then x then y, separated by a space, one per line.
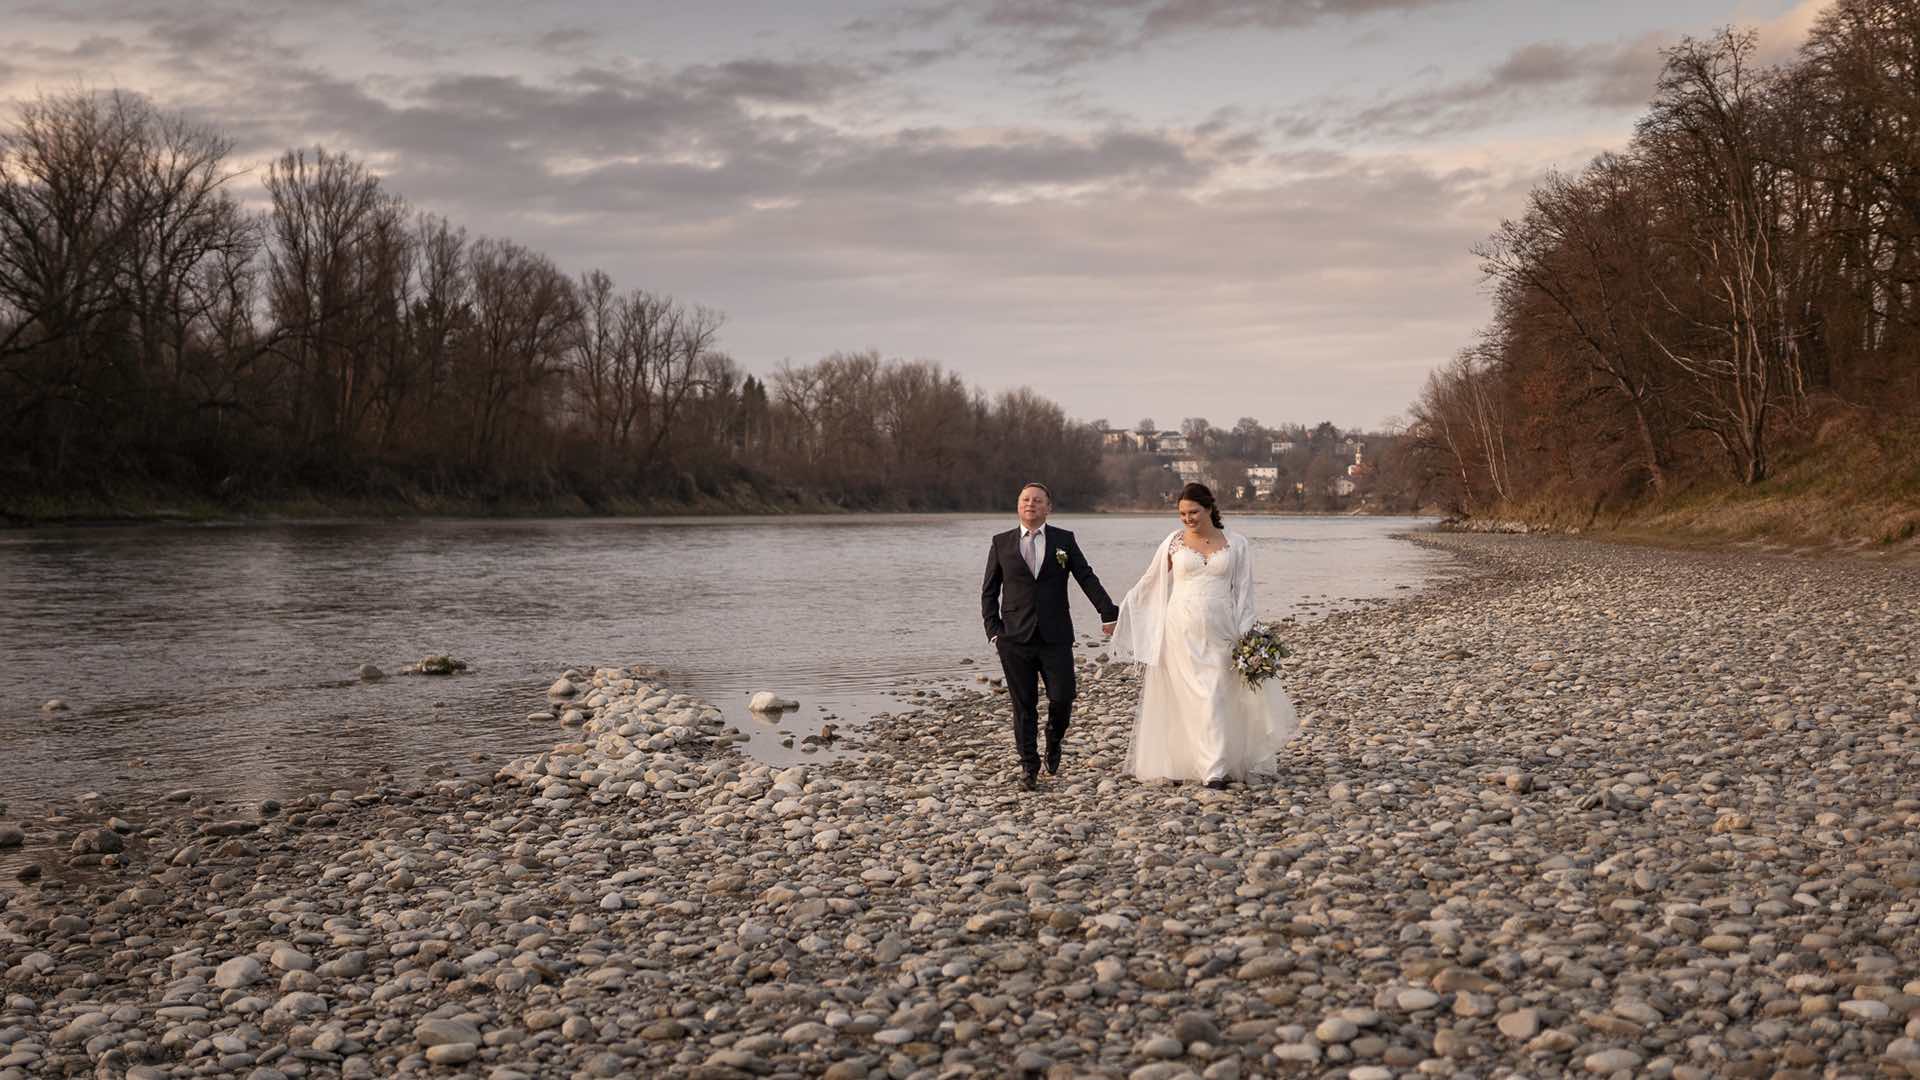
pixel 1107 628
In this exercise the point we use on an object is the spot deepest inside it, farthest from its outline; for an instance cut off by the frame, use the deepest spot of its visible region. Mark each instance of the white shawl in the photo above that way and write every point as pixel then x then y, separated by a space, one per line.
pixel 1143 614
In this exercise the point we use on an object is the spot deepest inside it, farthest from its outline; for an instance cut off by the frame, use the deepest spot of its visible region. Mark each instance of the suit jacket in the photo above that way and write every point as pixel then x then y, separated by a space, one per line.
pixel 1021 607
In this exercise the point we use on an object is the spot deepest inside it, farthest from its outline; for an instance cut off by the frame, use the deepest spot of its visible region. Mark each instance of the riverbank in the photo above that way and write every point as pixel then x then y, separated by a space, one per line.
pixel 1709 532
pixel 1594 808
pixel 1851 490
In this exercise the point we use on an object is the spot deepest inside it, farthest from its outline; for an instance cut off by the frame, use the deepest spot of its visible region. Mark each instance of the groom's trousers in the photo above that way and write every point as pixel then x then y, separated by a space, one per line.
pixel 1025 664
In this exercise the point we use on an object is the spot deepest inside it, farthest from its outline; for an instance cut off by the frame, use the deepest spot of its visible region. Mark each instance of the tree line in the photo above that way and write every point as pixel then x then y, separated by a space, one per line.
pixel 158 333
pixel 1735 285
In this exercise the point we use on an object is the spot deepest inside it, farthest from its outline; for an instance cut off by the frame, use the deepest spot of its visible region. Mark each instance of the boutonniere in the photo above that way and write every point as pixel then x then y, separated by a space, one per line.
pixel 1060 556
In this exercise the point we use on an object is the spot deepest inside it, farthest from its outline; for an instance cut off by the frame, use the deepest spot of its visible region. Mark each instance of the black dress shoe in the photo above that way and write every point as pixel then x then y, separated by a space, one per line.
pixel 1053 759
pixel 1030 779
pixel 1218 783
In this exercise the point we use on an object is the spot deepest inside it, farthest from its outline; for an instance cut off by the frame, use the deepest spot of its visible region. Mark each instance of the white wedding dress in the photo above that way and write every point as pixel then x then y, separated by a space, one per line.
pixel 1198 719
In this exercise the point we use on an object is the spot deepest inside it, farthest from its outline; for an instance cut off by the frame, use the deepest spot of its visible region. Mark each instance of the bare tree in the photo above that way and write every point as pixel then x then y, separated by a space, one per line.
pixel 598 361
pixel 524 317
pixel 1585 246
pixel 1736 345
pixel 335 274
pixel 67 224
pixel 439 318
pixel 182 220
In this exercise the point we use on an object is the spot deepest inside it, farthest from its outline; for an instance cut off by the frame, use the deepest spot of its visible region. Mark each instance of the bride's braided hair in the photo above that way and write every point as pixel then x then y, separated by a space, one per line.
pixel 1200 493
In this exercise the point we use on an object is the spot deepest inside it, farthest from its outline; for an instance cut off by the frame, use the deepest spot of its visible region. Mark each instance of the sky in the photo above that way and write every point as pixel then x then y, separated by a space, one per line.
pixel 1138 208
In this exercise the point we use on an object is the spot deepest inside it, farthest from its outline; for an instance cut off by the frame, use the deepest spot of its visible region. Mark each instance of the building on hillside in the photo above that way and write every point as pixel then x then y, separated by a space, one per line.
pixel 1361 466
pixel 1284 446
pixel 1170 442
pixel 1190 470
pixel 1262 479
pixel 1122 440
pixel 1341 486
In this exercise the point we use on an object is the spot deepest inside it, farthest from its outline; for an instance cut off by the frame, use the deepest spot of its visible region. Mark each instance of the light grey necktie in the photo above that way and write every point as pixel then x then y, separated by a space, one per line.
pixel 1030 550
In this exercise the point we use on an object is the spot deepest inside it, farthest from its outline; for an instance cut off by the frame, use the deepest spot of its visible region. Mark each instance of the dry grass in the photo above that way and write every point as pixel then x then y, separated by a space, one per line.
pixel 1850 489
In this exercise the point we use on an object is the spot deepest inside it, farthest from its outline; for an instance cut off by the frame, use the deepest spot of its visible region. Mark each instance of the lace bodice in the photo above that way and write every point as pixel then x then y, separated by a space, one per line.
pixel 1219 583
pixel 1206 571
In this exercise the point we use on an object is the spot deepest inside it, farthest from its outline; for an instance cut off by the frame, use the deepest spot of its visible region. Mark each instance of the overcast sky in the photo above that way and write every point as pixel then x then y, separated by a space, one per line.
pixel 1139 208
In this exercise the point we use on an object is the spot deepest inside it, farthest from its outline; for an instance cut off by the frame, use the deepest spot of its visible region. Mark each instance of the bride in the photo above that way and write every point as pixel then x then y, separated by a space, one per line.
pixel 1198 718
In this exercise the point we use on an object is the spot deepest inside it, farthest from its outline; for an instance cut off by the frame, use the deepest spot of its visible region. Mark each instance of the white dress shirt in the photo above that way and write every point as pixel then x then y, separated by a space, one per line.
pixel 1033 547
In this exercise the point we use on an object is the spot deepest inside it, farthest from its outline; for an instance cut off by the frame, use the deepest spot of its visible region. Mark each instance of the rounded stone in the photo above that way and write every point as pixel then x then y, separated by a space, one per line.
pixel 1416 999
pixel 238 972
pixel 436 1031
pixel 1336 1029
pixel 1161 1046
pixel 1611 1061
pixel 452 1053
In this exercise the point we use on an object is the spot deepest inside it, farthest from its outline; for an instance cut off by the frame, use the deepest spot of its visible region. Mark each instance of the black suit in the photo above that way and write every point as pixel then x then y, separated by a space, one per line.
pixel 1028 619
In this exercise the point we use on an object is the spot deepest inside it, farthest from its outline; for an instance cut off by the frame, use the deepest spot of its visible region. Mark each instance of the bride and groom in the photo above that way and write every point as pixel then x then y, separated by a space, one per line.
pixel 1198 719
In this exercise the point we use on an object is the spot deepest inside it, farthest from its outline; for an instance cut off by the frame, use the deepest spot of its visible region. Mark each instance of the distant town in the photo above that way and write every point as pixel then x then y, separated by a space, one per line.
pixel 1288 468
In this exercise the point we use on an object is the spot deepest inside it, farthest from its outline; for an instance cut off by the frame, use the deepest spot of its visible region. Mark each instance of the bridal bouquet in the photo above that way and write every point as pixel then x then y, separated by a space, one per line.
pixel 1257 656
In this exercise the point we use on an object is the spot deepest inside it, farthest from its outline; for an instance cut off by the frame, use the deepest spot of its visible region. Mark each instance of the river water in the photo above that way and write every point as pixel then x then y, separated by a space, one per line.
pixel 223 658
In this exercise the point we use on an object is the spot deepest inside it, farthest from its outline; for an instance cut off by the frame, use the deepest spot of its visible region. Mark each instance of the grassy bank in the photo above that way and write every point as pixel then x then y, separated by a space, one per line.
pixel 1847 490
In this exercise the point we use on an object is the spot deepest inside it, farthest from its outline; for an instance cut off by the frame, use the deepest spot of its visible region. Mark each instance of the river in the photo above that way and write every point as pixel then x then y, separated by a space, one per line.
pixel 223 658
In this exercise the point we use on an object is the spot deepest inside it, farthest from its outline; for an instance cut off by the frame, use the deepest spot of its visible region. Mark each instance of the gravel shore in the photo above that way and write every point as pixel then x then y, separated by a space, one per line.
pixel 1588 810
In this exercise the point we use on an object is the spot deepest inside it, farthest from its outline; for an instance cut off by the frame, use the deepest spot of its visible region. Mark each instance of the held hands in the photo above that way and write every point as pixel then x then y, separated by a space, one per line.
pixel 1107 628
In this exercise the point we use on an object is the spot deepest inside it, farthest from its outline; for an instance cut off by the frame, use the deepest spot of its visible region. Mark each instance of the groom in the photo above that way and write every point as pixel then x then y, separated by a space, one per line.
pixel 1024 603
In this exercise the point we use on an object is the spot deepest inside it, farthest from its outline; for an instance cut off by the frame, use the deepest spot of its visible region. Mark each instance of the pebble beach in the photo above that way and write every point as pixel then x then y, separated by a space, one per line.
pixel 1585 809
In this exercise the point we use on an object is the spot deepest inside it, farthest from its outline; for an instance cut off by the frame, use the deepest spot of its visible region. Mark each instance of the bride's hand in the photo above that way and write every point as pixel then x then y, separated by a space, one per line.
pixel 1107 628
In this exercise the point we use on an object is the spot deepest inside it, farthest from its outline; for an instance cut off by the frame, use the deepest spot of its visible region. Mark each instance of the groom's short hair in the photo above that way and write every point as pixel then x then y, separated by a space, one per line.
pixel 1041 486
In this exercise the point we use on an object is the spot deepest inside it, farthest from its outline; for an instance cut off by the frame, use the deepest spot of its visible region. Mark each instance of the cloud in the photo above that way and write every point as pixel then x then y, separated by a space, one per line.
pixel 1529 80
pixel 1351 267
pixel 92 49
pixel 564 40
pixel 1608 75
pixel 911 59
pixel 906 20
pixel 693 142
pixel 1182 15
pixel 1045 37
pixel 1354 270
pixel 1782 36
pixel 1618 75
pixel 1077 247
pixel 773 80
pixel 1128 243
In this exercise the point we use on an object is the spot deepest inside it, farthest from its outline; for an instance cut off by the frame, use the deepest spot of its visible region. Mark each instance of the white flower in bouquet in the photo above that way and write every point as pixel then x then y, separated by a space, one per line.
pixel 1258 654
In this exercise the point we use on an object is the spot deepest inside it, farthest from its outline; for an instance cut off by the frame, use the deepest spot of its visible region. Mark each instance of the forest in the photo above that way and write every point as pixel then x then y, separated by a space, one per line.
pixel 160 340
pixel 1723 313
